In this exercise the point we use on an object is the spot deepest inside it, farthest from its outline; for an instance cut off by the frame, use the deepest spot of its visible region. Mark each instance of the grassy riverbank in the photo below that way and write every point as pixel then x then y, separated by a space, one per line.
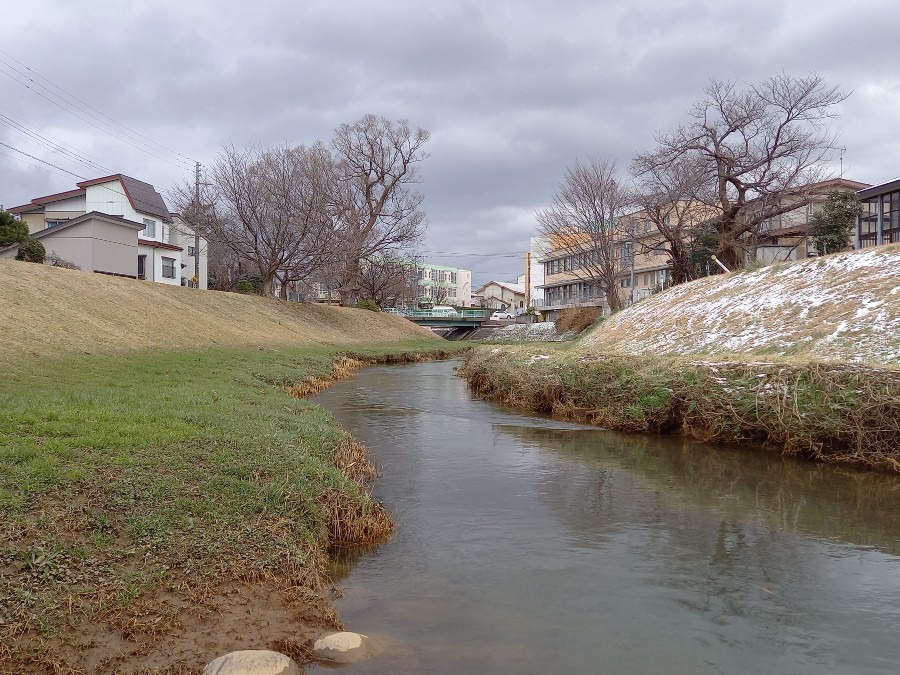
pixel 166 494
pixel 803 357
pixel 840 413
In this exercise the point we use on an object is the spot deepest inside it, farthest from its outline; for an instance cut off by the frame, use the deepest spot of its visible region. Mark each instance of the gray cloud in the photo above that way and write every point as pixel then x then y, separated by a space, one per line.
pixel 513 92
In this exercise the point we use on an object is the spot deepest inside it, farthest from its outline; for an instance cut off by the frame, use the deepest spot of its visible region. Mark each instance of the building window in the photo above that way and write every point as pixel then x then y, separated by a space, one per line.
pixel 55 223
pixel 192 251
pixel 142 267
pixel 149 228
pixel 168 268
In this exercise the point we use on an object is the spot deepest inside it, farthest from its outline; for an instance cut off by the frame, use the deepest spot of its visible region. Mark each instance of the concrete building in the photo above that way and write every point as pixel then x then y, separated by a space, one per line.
pixel 880 221
pixel 444 285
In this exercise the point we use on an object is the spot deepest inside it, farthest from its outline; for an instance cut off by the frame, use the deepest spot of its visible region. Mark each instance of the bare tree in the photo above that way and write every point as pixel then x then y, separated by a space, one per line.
pixel 753 148
pixel 670 200
pixel 585 225
pixel 388 280
pixel 272 210
pixel 376 211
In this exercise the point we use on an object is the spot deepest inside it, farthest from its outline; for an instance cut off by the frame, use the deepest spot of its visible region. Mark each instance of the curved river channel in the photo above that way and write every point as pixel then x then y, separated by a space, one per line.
pixel 530 545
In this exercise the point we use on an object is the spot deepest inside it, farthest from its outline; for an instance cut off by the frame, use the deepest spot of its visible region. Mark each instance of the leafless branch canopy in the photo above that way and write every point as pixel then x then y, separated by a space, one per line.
pixel 747 149
pixel 586 228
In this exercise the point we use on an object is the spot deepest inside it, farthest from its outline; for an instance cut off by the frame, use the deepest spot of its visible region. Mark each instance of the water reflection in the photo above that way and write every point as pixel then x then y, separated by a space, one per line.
pixel 836 503
pixel 528 545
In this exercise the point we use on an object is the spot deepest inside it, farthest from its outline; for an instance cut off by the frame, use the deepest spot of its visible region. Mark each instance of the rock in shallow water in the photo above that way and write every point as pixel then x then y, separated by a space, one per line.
pixel 342 647
pixel 252 662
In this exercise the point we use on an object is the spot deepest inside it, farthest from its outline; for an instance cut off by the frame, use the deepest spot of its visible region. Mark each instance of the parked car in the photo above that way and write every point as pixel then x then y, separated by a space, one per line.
pixel 499 315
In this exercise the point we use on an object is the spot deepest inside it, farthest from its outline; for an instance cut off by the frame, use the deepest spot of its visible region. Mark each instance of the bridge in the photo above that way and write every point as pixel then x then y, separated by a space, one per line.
pixel 463 318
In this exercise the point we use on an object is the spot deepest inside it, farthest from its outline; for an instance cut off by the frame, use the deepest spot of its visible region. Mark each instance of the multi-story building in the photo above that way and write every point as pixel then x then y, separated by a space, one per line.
pixel 444 285
pixel 117 225
pixel 786 236
pixel 641 252
pixel 880 220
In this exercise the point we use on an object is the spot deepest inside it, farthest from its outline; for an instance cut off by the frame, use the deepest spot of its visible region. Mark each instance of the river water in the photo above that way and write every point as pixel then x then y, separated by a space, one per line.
pixel 530 545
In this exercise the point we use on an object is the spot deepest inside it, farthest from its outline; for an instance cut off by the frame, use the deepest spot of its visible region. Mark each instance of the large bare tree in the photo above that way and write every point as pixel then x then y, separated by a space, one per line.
pixel 586 228
pixel 670 198
pixel 755 149
pixel 375 208
pixel 389 280
pixel 273 210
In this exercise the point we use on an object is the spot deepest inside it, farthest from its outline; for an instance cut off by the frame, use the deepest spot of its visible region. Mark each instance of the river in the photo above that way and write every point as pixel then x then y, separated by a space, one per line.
pixel 530 545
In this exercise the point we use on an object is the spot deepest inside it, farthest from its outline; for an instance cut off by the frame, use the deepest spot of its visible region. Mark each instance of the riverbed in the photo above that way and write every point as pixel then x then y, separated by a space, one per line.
pixel 530 545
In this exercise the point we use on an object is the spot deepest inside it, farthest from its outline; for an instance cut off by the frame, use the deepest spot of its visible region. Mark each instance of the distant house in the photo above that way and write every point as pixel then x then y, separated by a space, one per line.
pixel 785 237
pixel 116 225
pixel 501 295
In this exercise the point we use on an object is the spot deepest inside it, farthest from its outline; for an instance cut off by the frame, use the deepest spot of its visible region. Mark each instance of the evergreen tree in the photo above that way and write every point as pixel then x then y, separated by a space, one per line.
pixel 11 230
pixel 831 227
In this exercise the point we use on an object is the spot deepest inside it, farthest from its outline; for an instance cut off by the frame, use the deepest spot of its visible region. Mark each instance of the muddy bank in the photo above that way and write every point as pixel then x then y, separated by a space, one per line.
pixel 838 413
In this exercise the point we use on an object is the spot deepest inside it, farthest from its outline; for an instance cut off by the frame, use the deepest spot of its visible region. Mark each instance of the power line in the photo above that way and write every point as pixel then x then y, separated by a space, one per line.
pixel 86 104
pixel 111 130
pixel 476 255
pixel 38 138
pixel 71 173
pixel 19 159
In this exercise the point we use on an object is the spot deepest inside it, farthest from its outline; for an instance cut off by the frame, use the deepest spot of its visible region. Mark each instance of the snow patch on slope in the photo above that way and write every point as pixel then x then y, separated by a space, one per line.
pixel 842 307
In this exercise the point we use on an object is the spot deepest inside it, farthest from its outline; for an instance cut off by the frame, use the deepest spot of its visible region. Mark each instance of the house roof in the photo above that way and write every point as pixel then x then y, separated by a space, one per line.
pixel 876 190
pixel 515 288
pixel 159 244
pixel 91 215
pixel 142 196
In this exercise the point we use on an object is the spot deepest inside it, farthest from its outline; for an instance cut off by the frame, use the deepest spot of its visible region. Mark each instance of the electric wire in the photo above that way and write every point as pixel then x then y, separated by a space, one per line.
pixel 135 134
pixel 72 173
pixel 110 131
pixel 7 113
pixel 37 138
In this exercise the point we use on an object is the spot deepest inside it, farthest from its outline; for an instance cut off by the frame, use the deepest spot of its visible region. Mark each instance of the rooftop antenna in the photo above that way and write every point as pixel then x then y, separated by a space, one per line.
pixel 843 150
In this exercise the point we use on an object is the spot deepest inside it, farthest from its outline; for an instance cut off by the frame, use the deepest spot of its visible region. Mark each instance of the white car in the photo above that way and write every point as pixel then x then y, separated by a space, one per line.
pixel 498 316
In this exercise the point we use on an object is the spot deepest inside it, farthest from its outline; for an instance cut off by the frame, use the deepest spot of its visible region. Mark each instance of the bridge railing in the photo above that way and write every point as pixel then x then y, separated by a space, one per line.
pixel 463 314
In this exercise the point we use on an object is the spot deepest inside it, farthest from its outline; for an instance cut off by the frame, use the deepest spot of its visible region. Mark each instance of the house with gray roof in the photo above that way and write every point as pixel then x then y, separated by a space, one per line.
pixel 116 225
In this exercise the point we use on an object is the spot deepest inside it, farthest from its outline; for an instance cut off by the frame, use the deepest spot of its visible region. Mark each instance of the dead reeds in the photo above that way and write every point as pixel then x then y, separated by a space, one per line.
pixel 837 413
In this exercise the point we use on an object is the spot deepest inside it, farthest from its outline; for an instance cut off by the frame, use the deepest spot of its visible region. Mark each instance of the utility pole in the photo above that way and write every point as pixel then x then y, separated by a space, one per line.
pixel 197 224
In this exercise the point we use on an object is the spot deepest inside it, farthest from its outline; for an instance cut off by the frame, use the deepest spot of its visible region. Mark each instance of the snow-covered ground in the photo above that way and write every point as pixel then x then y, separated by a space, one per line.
pixel 844 307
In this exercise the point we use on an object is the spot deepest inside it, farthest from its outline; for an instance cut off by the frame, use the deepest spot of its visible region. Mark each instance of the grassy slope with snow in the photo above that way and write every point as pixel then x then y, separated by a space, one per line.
pixel 844 307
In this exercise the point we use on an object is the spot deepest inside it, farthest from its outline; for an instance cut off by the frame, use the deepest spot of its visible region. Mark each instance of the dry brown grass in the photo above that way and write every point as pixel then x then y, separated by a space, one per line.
pixel 577 319
pixel 835 413
pixel 47 311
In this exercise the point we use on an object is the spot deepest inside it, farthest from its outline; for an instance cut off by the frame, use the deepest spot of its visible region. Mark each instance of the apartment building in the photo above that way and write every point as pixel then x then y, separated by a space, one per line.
pixel 444 285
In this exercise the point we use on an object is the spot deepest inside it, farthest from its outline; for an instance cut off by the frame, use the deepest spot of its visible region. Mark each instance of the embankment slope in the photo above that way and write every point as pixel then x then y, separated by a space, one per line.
pixel 839 308
pixel 46 312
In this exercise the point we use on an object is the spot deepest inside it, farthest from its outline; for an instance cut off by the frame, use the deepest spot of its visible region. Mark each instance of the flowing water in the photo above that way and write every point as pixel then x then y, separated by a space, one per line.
pixel 530 545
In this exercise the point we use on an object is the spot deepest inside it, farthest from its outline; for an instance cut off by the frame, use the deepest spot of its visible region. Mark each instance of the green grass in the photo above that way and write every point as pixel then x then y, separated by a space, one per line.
pixel 124 476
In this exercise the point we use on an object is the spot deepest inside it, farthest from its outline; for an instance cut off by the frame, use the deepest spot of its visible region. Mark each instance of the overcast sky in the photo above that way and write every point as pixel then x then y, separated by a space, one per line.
pixel 512 92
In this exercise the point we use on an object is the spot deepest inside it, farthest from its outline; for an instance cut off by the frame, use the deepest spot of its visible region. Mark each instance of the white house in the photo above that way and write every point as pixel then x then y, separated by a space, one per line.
pixel 501 295
pixel 151 242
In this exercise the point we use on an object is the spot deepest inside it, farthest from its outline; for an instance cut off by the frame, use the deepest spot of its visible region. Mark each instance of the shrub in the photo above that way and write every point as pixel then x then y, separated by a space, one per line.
pixel 11 230
pixel 369 304
pixel 577 319
pixel 245 286
pixel 31 250
pixel 55 261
